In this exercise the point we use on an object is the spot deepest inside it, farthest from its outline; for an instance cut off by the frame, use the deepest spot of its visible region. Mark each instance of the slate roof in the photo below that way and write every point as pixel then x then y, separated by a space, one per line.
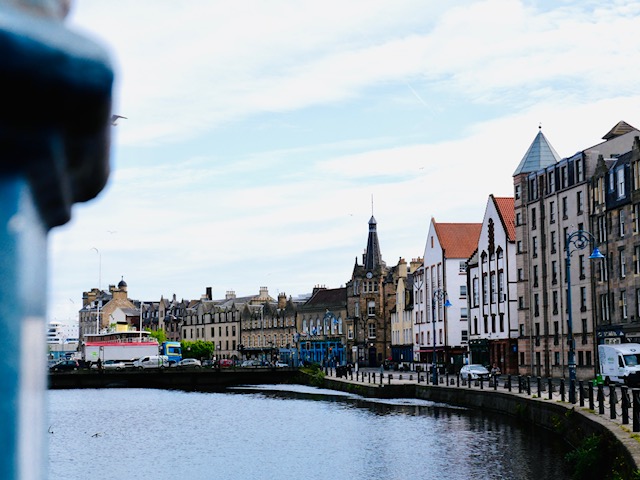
pixel 507 212
pixel 458 240
pixel 328 297
pixel 540 155
pixel 620 128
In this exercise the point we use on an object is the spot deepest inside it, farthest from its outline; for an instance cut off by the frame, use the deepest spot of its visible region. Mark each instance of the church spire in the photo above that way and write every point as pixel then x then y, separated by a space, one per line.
pixel 372 257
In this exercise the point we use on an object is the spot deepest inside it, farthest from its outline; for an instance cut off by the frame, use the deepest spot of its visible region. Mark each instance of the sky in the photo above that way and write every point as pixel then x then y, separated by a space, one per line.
pixel 261 136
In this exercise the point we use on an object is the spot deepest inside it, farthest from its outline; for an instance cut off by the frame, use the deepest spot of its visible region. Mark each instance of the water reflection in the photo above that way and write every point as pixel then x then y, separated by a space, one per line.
pixel 260 432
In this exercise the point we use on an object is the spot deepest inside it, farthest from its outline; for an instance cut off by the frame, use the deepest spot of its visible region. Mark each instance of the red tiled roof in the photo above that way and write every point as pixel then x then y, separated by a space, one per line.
pixel 506 210
pixel 458 240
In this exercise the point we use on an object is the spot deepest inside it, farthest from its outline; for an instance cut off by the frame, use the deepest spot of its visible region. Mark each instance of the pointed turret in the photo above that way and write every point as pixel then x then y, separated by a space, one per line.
pixel 540 155
pixel 372 257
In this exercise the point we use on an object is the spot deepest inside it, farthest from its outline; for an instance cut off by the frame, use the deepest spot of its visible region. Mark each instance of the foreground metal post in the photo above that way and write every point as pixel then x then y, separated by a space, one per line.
pixel 625 404
pixel 55 91
pixel 635 398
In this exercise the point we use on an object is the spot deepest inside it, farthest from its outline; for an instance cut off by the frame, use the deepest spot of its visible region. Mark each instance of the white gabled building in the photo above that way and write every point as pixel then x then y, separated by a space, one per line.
pixel 449 246
pixel 492 285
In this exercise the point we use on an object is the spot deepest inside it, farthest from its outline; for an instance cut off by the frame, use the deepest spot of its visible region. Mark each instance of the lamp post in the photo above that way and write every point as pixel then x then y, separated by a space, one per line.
pixel 438 295
pixel 577 240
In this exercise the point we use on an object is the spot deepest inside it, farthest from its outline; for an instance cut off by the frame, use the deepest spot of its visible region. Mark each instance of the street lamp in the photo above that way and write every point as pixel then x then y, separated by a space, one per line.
pixel 577 240
pixel 438 295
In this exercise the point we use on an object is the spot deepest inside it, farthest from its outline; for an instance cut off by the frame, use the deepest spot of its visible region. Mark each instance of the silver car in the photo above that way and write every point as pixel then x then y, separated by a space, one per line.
pixel 474 372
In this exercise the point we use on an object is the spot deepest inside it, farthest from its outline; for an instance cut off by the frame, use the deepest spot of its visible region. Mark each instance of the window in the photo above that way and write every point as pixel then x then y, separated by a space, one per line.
pixel 623 305
pixel 565 208
pixel 621 223
pixel 519 246
pixel 371 308
pixel 583 299
pixel 565 177
pixel 552 212
pixel 581 267
pixel 623 264
pixel 554 272
pixel 476 292
pixel 585 337
pixel 517 192
pixel 551 181
pixel 636 259
pixel 536 305
pixel 465 336
pixel 604 308
pixel 579 170
pixel 372 330
pixel 620 181
pixel 518 219
pixel 535 275
pixel 556 358
pixel 533 219
pixel 464 315
pixel 520 275
pixel 580 201
pixel 636 218
pixel 501 295
pixel 463 267
pixel 555 302
pixel 553 241
pixel 534 246
pixel 556 333
pixel 463 291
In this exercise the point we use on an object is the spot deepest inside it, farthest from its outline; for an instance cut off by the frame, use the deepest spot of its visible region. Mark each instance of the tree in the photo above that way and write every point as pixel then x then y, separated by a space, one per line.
pixel 159 335
pixel 198 349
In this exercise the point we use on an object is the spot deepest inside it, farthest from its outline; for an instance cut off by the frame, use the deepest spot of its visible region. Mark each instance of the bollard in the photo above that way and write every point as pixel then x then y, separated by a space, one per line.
pixel 374 377
pixel 624 394
pixel 509 383
pixel 481 383
pixel 539 381
pixel 613 399
pixel 591 402
pixel 550 387
pixel 469 382
pixel 519 384
pixel 411 378
pixel 458 381
pixel 54 148
pixel 600 399
pixel 390 377
pixel 635 396
pixel 529 385
pixel 562 389
pixel 495 382
pixel 581 391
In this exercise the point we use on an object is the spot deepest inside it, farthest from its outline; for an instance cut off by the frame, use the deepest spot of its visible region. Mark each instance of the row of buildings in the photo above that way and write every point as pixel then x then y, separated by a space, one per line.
pixel 492 292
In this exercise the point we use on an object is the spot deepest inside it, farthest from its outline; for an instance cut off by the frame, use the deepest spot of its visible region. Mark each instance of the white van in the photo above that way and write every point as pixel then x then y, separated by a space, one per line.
pixel 620 363
pixel 152 361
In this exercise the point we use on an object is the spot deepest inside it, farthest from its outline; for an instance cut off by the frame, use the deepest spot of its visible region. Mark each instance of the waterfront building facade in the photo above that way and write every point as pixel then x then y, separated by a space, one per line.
pixel 491 287
pixel 368 328
pixel 402 344
pixel 552 203
pixel 98 307
pixel 445 329
pixel 615 197
pixel 322 337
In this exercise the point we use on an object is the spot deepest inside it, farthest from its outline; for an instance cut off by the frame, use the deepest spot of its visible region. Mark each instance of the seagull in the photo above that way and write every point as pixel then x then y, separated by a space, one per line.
pixel 95 435
pixel 114 119
pixel 50 431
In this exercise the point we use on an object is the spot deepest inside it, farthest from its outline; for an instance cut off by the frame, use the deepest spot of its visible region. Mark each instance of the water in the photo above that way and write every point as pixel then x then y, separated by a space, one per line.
pixel 300 433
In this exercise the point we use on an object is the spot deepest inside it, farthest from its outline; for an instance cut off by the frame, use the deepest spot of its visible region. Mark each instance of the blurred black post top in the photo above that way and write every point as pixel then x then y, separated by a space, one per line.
pixel 55 111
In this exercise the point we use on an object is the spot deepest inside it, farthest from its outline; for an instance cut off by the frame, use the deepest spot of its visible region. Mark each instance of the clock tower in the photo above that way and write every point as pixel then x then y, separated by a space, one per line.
pixel 368 328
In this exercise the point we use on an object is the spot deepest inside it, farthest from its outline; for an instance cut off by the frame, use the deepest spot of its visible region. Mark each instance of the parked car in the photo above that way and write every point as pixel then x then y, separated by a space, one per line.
pixel 188 363
pixel 281 364
pixel 65 365
pixel 225 363
pixel 152 361
pixel 474 372
pixel 250 363
pixel 110 365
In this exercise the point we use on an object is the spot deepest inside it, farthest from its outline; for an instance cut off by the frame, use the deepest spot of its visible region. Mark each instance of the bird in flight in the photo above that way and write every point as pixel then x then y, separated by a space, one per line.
pixel 114 119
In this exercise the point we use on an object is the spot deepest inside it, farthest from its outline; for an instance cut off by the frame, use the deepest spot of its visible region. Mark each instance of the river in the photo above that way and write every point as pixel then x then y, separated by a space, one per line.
pixel 288 431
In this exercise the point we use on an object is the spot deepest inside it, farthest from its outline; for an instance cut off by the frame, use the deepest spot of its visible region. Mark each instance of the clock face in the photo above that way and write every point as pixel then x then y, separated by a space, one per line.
pixel 369 274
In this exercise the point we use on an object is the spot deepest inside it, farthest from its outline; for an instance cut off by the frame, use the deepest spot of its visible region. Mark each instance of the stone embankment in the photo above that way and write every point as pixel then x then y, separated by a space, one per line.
pixel 541 403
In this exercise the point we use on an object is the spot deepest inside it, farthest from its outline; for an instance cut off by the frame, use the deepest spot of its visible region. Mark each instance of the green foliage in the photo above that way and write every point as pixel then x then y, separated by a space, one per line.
pixel 598 458
pixel 315 373
pixel 159 335
pixel 198 349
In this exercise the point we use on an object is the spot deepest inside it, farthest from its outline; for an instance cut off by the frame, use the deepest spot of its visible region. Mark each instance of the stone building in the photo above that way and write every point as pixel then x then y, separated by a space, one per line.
pixel 368 314
pixel 615 196
pixel 322 320
pixel 552 202
pixel 98 306
pixel 402 334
